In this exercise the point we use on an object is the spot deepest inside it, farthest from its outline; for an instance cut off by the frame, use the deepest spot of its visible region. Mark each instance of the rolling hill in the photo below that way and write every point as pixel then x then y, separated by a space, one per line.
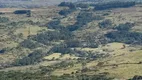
pixel 71 41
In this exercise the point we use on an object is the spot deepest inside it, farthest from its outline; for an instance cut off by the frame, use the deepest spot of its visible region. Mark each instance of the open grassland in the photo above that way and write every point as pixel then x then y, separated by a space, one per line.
pixel 123 66
pixel 29 30
pixel 123 63
pixel 53 56
pixel 60 56
pixel 111 48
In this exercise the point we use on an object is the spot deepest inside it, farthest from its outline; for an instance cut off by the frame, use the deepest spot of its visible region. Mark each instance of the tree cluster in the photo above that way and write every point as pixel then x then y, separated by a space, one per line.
pixel 105 23
pixel 4 19
pixel 68 4
pixel 32 58
pixel 2 51
pixel 47 37
pixel 27 12
pixel 82 19
pixel 114 4
pixel 54 24
pixel 65 12
pixel 29 44
pixel 125 37
pixel 125 27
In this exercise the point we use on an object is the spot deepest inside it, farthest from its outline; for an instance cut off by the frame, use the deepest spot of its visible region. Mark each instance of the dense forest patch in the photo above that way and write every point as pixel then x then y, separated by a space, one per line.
pixel 114 4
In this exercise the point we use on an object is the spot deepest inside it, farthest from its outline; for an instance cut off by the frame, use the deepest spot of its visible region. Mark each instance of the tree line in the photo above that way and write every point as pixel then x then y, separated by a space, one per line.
pixel 124 35
pixel 114 4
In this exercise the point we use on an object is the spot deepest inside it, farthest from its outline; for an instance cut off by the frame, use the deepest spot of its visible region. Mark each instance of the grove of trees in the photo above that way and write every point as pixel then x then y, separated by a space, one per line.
pixel 125 27
pixel 29 44
pixel 68 4
pixel 125 37
pixel 32 58
pixel 114 4
pixel 65 12
pixel 82 19
pixel 27 12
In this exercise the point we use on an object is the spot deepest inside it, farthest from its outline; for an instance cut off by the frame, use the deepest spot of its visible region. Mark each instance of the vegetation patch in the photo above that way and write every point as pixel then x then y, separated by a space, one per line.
pixel 32 58
pixel 125 37
pixel 114 4
pixel 29 44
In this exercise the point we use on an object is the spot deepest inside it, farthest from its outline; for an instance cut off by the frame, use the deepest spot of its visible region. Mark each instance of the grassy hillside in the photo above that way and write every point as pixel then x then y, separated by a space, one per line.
pixel 72 41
